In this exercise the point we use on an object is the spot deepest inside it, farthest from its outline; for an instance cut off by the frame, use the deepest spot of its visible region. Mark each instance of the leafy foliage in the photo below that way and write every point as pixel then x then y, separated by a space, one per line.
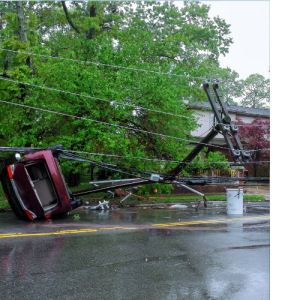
pixel 230 86
pixel 209 157
pixel 256 91
pixel 254 138
pixel 155 36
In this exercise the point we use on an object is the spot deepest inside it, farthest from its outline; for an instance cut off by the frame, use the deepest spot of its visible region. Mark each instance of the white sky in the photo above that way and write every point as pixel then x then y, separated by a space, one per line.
pixel 250 30
pixel 250 24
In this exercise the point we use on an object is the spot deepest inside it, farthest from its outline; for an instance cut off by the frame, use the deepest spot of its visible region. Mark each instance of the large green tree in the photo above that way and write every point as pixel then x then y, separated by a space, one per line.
pixel 256 91
pixel 156 36
pixel 230 86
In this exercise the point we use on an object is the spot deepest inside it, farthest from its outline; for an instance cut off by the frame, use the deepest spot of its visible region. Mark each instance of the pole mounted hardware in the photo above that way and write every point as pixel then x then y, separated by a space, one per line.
pixel 241 155
pixel 224 124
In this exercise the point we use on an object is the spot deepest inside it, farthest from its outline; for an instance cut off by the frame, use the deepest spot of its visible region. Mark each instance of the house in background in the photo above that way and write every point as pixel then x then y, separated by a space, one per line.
pixel 207 119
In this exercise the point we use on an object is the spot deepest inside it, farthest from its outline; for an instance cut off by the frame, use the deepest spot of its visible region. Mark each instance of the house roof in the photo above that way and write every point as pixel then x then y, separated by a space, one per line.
pixel 234 109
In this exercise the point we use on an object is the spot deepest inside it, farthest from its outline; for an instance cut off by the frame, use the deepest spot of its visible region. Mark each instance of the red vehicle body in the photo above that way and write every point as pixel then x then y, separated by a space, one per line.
pixel 35 187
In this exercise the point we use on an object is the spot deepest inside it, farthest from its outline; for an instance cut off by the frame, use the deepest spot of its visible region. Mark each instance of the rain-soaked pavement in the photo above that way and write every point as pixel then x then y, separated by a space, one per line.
pixel 138 253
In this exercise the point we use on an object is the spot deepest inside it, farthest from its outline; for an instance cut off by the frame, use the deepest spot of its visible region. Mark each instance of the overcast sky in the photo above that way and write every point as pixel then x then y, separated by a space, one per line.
pixel 250 23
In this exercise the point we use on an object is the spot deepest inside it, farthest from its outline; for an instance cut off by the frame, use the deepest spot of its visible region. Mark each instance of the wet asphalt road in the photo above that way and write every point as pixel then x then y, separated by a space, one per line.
pixel 137 253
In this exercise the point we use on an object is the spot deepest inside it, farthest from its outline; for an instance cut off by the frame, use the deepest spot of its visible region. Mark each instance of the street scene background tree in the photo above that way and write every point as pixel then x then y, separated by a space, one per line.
pixel 256 137
pixel 256 92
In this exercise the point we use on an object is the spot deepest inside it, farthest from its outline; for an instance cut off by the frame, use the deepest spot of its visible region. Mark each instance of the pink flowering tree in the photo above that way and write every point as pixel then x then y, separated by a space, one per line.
pixel 255 137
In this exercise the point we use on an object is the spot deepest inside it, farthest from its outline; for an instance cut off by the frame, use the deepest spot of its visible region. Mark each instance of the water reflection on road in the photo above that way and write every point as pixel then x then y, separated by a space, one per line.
pixel 227 260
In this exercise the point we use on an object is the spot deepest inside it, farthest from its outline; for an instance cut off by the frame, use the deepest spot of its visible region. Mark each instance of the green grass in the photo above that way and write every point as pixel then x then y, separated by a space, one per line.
pixel 2 196
pixel 169 199
pixel 197 198
pixel 86 185
pixel 4 205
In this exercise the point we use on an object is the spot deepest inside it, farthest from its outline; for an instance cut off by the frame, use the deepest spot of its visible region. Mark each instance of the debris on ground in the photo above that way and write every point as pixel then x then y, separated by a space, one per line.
pixel 178 206
pixel 114 206
pixel 102 205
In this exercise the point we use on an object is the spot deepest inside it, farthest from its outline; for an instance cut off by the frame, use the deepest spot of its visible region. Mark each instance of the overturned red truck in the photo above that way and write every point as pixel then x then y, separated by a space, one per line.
pixel 35 187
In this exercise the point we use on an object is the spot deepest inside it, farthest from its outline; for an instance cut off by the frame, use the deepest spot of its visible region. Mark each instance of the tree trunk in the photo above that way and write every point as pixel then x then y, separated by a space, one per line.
pixel 255 167
pixel 74 179
pixel 92 15
pixel 92 172
pixel 8 59
pixel 7 62
pixel 22 26
pixel 1 18
pixel 21 18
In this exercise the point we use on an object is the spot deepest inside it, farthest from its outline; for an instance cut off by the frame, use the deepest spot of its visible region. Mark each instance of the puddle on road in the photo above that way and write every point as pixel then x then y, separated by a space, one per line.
pixel 128 216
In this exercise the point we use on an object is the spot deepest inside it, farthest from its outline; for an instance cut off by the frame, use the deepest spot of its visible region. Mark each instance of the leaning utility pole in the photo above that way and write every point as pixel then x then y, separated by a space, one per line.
pixel 223 126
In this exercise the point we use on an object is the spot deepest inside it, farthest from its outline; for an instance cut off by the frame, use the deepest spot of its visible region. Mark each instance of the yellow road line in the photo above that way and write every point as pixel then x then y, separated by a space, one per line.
pixel 85 230
pixel 209 221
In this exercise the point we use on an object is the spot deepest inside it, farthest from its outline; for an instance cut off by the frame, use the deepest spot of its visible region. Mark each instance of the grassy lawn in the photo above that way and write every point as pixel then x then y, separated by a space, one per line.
pixel 197 198
pixel 2 196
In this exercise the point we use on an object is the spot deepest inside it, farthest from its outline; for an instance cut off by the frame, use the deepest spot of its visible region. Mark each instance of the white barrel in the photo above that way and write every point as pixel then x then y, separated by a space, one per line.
pixel 234 201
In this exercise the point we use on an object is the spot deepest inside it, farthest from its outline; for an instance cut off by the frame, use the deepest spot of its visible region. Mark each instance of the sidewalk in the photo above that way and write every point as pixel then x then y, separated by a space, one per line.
pixel 258 190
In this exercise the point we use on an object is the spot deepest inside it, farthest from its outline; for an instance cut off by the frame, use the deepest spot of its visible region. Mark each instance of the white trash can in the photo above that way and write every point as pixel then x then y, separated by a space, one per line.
pixel 234 201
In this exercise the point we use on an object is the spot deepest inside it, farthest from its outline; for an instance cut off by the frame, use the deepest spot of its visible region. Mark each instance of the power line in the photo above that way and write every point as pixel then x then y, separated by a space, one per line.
pixel 28 149
pixel 154 159
pixel 88 62
pixel 105 166
pixel 217 179
pixel 19 149
pixel 90 97
pixel 116 102
pixel 148 173
pixel 215 123
pixel 111 101
pixel 119 126
pixel 237 184
pixel 120 156
pixel 106 65
pixel 87 119
pixel 245 124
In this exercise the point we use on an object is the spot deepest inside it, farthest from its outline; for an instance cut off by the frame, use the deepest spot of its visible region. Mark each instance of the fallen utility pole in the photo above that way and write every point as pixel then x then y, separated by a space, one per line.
pixel 178 169
pixel 224 125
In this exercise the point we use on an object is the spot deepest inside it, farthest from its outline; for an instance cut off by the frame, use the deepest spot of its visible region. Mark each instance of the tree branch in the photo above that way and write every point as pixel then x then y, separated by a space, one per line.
pixel 5 75
pixel 7 62
pixel 68 17
pixel 41 24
